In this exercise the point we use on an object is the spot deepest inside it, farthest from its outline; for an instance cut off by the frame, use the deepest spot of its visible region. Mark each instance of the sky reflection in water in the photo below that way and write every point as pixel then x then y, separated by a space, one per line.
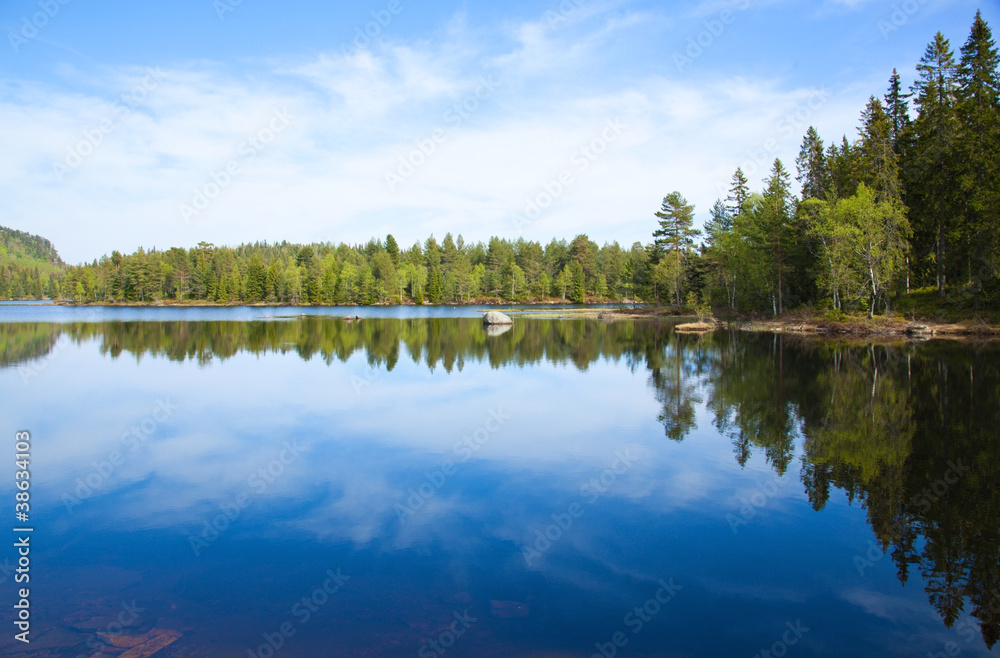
pixel 751 481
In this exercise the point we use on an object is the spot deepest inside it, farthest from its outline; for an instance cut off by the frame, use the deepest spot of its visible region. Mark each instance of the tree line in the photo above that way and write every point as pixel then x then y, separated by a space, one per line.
pixel 911 204
pixel 379 272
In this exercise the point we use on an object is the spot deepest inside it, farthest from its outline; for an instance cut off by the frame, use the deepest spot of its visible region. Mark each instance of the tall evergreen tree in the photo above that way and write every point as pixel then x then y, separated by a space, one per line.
pixel 392 248
pixel 879 162
pixel 842 163
pixel 676 230
pixel 811 167
pixel 739 194
pixel 579 295
pixel 898 110
pixel 978 110
pixel 931 192
pixel 675 235
pixel 776 215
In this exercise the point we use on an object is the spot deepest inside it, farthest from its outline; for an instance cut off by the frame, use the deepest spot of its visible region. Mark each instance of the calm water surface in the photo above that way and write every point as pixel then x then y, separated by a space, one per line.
pixel 411 486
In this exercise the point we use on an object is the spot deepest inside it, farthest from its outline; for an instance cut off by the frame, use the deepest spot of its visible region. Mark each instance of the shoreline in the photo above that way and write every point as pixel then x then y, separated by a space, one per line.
pixel 794 323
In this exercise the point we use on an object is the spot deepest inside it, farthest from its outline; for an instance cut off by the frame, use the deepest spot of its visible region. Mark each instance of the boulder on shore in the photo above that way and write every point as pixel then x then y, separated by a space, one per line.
pixel 496 317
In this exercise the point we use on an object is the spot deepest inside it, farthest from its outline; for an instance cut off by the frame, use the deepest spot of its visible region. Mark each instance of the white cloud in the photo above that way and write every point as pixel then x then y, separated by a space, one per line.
pixel 324 177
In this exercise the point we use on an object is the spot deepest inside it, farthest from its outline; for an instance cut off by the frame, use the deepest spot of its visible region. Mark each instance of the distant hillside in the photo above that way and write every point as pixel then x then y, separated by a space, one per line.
pixel 30 267
pixel 27 250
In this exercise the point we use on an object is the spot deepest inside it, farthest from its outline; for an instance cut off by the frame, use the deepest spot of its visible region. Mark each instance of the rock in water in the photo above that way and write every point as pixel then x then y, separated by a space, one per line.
pixel 496 317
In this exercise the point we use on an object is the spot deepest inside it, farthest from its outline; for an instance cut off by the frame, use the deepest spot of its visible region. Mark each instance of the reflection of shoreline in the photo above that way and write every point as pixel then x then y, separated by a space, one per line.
pixel 877 424
pixel 384 340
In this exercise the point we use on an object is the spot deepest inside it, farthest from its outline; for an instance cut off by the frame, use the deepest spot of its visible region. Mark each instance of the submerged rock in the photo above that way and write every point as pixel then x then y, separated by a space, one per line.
pixel 142 646
pixel 496 317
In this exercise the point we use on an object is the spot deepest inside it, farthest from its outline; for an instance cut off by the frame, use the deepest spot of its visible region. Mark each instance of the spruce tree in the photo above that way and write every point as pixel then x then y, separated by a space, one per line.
pixel 392 249
pixel 931 192
pixel 811 167
pixel 434 288
pixel 739 194
pixel 776 214
pixel 878 160
pixel 579 295
pixel 978 109
pixel 898 110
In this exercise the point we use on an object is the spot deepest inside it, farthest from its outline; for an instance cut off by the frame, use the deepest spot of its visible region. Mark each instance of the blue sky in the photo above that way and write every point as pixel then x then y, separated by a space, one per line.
pixel 155 124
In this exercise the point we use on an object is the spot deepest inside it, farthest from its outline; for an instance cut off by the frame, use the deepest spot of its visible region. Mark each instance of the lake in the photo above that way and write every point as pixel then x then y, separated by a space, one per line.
pixel 258 482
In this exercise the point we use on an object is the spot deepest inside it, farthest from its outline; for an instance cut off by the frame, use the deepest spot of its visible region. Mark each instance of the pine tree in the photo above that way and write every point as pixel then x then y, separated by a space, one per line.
pixel 676 230
pixel 676 233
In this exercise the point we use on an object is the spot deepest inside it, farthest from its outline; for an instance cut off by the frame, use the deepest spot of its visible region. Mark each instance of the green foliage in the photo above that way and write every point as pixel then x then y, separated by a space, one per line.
pixel 579 295
pixel 909 204
pixel 673 241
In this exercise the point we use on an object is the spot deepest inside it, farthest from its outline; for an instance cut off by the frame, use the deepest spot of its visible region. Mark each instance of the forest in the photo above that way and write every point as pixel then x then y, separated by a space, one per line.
pixel 908 209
